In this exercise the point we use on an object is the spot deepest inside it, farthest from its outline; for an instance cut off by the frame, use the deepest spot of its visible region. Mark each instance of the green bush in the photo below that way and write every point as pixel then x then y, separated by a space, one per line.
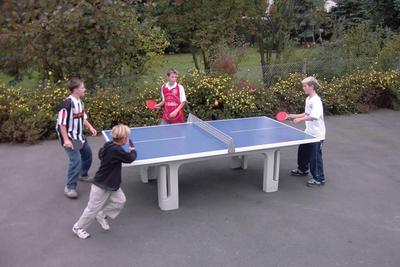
pixel 30 115
pixel 219 97
pixel 362 91
pixel 389 56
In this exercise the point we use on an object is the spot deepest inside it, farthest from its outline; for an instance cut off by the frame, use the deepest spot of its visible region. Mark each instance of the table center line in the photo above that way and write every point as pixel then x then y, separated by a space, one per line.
pixel 256 129
pixel 160 139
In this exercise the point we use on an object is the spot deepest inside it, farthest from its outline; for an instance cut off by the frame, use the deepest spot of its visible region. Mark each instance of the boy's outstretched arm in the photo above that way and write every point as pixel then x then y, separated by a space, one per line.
pixel 159 105
pixel 296 116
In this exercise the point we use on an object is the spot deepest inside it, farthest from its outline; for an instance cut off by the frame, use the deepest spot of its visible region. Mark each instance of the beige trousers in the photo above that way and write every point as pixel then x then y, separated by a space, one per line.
pixel 101 203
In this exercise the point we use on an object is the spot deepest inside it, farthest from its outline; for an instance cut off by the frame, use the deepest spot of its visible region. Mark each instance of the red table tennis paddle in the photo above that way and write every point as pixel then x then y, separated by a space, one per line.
pixel 282 116
pixel 151 104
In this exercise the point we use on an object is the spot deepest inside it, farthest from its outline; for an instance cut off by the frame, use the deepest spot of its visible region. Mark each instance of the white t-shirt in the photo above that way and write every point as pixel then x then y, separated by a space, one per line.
pixel 182 95
pixel 315 109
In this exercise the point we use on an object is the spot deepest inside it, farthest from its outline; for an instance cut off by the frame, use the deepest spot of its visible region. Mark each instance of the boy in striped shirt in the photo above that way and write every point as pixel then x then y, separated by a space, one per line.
pixel 70 122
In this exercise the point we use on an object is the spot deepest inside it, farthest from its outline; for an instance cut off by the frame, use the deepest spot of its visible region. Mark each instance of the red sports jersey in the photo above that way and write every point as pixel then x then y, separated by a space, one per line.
pixel 171 102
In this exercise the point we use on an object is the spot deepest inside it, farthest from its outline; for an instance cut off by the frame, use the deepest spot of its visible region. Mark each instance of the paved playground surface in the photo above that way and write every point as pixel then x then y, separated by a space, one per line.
pixel 224 218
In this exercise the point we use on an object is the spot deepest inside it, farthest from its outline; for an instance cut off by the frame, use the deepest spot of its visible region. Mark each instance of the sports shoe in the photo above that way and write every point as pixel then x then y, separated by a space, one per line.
pixel 103 222
pixel 70 193
pixel 85 178
pixel 80 232
pixel 297 172
pixel 313 182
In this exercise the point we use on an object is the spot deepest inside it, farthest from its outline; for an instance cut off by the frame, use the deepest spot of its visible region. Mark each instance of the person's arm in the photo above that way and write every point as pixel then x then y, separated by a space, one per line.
pixel 304 118
pixel 159 105
pixel 62 122
pixel 315 112
pixel 174 113
pixel 63 131
pixel 296 116
pixel 126 157
pixel 182 97
pixel 90 127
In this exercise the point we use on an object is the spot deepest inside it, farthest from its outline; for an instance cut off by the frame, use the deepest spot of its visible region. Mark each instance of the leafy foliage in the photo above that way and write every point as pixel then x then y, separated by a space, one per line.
pixel 29 115
pixel 92 39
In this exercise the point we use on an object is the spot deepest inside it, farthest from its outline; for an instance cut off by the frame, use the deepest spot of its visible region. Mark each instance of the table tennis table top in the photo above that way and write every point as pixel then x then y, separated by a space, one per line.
pixel 163 143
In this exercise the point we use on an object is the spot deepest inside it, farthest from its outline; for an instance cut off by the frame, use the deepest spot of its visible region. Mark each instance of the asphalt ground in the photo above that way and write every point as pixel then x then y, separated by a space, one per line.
pixel 224 218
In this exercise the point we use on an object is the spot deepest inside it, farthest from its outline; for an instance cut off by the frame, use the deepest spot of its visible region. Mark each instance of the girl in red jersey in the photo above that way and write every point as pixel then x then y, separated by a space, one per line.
pixel 173 100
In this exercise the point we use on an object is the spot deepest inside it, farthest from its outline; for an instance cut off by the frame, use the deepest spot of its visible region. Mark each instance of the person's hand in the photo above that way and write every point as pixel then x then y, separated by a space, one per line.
pixel 297 120
pixel 93 131
pixel 68 144
pixel 158 106
pixel 131 146
pixel 173 114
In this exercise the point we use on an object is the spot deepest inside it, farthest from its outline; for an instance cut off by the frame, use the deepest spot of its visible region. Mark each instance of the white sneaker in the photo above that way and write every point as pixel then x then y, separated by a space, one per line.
pixel 80 232
pixel 103 222
pixel 70 193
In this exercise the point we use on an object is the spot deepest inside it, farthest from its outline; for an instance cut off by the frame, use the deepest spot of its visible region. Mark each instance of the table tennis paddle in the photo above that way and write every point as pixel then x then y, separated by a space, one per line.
pixel 76 144
pixel 151 104
pixel 282 116
pixel 131 143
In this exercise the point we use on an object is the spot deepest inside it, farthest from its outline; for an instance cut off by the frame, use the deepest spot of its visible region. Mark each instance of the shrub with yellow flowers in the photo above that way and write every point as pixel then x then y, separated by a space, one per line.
pixel 288 94
pixel 362 91
pixel 220 96
pixel 28 115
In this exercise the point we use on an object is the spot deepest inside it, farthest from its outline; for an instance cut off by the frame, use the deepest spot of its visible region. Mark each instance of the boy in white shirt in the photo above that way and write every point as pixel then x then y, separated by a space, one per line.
pixel 309 156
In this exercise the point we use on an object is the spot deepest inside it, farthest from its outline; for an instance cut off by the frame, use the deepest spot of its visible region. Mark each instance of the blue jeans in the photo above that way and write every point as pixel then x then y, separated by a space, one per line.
pixel 79 164
pixel 309 157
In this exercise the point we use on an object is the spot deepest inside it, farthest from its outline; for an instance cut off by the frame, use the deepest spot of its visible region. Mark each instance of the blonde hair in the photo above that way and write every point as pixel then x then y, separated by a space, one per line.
pixel 311 81
pixel 172 70
pixel 119 132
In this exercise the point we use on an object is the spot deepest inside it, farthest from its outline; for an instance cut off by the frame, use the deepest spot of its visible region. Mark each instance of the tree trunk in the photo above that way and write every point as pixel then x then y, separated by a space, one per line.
pixel 262 60
pixel 205 61
pixel 195 61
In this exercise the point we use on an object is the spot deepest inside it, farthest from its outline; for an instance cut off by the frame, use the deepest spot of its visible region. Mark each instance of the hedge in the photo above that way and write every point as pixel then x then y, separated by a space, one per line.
pixel 30 115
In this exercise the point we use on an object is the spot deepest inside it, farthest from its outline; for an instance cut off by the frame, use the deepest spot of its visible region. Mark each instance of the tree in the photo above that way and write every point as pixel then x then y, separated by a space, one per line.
pixel 270 24
pixel 363 40
pixel 309 16
pixel 202 25
pixel 350 12
pixel 94 39
pixel 384 12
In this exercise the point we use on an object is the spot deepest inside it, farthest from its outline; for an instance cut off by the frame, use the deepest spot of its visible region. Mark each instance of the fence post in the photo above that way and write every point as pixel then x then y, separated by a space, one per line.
pixel 304 68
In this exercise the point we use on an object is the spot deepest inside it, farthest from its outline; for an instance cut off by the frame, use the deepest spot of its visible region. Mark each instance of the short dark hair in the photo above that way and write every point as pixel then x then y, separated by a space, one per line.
pixel 74 83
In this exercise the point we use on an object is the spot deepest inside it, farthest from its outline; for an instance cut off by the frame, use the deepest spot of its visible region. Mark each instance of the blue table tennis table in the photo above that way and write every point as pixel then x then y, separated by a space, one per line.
pixel 167 147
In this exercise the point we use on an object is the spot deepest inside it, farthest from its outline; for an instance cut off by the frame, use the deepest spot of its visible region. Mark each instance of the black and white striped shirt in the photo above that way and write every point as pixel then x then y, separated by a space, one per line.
pixel 72 115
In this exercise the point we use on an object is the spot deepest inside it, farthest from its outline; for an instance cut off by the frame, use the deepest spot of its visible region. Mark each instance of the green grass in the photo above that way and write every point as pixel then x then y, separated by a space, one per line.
pixel 249 67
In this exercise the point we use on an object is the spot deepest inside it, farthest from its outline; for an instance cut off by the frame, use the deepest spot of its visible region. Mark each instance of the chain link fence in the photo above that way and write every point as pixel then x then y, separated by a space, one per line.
pixel 325 69
pixel 269 74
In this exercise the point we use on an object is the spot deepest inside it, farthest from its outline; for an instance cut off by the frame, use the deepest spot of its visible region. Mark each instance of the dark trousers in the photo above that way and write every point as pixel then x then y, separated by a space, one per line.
pixel 309 157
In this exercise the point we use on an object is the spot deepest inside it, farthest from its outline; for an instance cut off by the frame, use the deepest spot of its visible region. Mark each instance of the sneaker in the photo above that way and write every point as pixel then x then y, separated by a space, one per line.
pixel 103 222
pixel 70 193
pixel 85 178
pixel 313 182
pixel 297 172
pixel 80 232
